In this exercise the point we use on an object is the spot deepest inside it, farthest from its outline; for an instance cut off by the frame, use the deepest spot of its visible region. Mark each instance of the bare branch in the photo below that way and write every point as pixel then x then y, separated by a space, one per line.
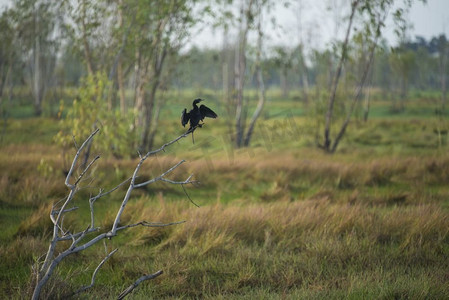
pixel 74 142
pixel 133 178
pixel 185 192
pixel 70 236
pixel 55 212
pixel 180 182
pixel 75 160
pixel 86 169
pixel 94 275
pixel 137 282
pixel 150 224
pixel 160 177
pixel 101 194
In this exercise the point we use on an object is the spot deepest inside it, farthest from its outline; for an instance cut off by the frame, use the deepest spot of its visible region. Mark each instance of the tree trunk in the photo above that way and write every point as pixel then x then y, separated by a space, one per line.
pixel 359 90
pixel 87 53
pixel 304 76
pixel 260 83
pixel 403 96
pixel 121 87
pixel 148 114
pixel 239 83
pixel 444 57
pixel 367 105
pixel 240 67
pixel 283 82
pixel 330 108
pixel 36 75
pixel 141 78
pixel 152 115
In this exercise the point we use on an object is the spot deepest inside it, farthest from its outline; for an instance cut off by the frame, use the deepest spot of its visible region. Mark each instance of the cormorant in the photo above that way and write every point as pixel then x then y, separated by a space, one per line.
pixel 195 115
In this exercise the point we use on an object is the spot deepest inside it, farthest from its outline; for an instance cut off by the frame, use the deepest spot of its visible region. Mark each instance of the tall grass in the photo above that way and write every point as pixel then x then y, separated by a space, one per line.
pixel 280 220
pixel 308 248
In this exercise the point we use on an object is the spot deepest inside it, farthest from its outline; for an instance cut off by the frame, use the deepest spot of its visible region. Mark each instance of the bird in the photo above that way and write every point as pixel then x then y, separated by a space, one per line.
pixel 195 115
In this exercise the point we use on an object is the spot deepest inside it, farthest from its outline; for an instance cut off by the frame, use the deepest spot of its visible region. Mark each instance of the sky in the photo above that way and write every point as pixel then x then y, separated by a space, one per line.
pixel 317 23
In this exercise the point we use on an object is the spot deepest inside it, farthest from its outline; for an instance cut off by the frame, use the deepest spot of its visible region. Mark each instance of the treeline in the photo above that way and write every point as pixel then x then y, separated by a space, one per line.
pixel 413 64
pixel 123 55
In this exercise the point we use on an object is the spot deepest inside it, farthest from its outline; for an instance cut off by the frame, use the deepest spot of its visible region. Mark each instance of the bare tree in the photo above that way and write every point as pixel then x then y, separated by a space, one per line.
pixel 249 18
pixel 330 108
pixel 246 18
pixel 443 51
pixel 82 240
pixel 260 83
pixel 373 15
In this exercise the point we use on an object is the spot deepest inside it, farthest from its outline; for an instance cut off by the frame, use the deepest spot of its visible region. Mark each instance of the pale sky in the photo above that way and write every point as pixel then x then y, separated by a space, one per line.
pixel 430 19
pixel 318 28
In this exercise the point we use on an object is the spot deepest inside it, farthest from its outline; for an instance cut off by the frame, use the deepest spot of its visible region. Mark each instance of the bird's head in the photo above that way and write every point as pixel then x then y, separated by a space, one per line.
pixel 196 101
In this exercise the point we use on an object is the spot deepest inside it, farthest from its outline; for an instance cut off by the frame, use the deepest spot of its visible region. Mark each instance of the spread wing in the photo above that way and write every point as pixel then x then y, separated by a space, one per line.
pixel 207 112
pixel 184 117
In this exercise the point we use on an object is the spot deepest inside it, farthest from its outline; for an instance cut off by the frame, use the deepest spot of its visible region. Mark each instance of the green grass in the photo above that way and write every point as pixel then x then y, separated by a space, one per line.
pixel 280 220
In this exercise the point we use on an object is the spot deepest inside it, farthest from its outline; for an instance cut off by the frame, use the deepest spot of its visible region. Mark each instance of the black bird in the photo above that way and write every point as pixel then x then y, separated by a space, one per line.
pixel 195 115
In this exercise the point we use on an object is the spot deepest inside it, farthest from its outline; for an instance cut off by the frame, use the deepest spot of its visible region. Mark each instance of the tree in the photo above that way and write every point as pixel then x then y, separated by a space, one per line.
pixel 7 51
pixel 37 24
pixel 402 62
pixel 89 111
pixel 443 53
pixel 246 18
pixel 90 27
pixel 373 15
pixel 156 36
pixel 249 14
pixel 259 76
pixel 81 240
pixel 284 62
pixel 133 41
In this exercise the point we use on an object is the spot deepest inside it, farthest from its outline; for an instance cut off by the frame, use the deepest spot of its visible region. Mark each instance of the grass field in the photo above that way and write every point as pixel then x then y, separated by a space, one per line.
pixel 279 220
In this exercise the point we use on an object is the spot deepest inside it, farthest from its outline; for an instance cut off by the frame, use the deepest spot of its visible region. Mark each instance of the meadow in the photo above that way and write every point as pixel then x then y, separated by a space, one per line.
pixel 278 220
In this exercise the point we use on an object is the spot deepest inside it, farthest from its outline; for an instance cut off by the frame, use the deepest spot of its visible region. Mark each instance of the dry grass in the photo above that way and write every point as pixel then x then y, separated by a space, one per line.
pixel 272 224
pixel 306 245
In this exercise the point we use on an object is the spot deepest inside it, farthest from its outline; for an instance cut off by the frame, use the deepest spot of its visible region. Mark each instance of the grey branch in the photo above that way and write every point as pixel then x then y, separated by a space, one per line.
pixel 94 275
pixel 78 153
pixel 132 184
pixel 86 169
pixel 58 211
pixel 150 224
pixel 137 282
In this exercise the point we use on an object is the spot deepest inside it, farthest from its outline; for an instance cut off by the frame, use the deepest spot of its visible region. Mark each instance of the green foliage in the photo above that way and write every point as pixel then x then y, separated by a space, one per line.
pixel 89 111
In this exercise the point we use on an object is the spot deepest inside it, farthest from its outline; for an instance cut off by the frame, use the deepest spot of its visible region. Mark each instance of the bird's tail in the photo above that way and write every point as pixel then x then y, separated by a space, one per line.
pixel 193 139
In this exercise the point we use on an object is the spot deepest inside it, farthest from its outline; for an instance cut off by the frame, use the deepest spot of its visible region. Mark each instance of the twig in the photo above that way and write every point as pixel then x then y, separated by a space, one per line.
pixel 74 142
pixel 75 159
pixel 86 169
pixel 150 224
pixel 94 275
pixel 132 184
pixel 185 192
pixel 137 282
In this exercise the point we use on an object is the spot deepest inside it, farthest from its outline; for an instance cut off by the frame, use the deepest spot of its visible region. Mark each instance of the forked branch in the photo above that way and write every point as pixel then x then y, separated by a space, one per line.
pixel 83 239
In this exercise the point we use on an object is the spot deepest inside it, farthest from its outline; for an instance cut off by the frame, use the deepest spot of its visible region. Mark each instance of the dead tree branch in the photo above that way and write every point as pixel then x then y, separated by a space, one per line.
pixel 94 275
pixel 137 282
pixel 80 240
